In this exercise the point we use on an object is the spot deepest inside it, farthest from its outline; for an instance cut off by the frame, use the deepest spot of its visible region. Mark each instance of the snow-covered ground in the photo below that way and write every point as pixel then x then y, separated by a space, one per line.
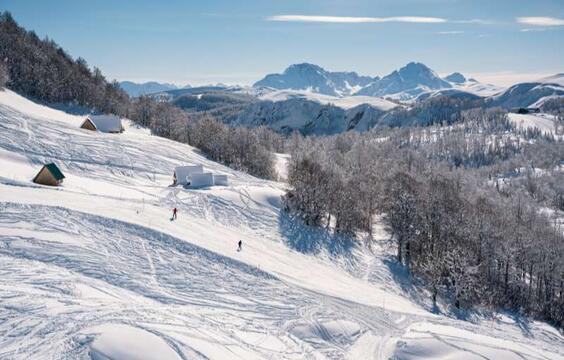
pixel 281 166
pixel 544 122
pixel 346 102
pixel 96 268
pixel 478 88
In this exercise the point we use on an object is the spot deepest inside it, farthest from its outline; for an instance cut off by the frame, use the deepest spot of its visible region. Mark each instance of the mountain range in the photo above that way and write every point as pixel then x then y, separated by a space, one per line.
pixel 314 78
pixel 312 100
pixel 403 84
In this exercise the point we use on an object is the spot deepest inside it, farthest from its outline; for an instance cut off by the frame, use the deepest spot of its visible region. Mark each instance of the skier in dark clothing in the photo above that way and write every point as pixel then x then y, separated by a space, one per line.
pixel 174 211
pixel 240 247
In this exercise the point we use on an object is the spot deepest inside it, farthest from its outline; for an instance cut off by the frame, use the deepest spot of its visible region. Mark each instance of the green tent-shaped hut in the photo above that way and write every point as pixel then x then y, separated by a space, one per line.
pixel 49 175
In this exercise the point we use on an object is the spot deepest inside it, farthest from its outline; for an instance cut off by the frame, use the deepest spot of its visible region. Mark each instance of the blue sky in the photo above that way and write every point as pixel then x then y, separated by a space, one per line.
pixel 238 41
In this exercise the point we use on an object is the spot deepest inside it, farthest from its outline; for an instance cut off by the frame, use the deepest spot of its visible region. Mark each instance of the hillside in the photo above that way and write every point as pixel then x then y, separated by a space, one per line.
pixel 137 89
pixel 43 70
pixel 95 268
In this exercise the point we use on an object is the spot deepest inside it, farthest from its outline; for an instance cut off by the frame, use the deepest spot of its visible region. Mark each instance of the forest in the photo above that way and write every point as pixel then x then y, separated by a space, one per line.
pixel 471 207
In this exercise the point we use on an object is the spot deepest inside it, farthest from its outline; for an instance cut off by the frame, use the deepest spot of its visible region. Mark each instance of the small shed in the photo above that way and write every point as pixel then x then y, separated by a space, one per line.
pixel 200 180
pixel 103 123
pixel 181 173
pixel 220 180
pixel 49 175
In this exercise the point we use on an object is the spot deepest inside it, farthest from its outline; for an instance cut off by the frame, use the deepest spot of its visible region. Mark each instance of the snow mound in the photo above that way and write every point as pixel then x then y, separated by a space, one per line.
pixel 122 342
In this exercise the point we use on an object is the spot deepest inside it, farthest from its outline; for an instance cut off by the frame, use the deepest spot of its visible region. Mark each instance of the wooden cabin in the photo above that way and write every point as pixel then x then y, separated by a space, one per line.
pixel 49 175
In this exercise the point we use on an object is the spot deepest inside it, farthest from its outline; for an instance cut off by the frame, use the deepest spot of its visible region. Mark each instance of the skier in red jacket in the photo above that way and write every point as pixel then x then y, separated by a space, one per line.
pixel 174 212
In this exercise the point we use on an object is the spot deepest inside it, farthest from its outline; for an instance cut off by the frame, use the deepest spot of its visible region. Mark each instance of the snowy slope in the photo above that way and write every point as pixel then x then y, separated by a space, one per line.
pixel 346 102
pixel 526 95
pixel 95 268
pixel 543 122
pixel 313 117
pixel 478 88
pixel 554 79
pixel 473 86
pixel 151 87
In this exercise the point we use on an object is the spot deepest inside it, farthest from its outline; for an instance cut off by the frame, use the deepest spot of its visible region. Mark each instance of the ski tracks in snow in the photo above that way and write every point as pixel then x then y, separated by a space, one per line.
pixel 106 271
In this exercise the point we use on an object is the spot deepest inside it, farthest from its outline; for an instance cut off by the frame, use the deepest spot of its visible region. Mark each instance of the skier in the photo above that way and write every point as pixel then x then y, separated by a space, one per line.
pixel 174 211
pixel 240 247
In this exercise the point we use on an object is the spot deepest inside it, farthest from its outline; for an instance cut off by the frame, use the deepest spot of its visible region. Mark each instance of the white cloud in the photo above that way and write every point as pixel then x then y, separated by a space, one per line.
pixel 540 21
pixel 453 32
pixel 474 21
pixel 532 29
pixel 355 20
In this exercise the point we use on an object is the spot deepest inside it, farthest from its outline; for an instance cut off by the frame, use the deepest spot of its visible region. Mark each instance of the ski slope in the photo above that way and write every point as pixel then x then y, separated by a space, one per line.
pixel 96 269
pixel 543 122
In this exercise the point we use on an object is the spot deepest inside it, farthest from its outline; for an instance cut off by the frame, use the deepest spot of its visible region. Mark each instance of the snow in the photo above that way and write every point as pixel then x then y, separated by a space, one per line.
pixel 106 123
pixel 128 343
pixel 346 102
pixel 96 268
pixel 281 165
pixel 544 122
pixel 554 79
pixel 478 88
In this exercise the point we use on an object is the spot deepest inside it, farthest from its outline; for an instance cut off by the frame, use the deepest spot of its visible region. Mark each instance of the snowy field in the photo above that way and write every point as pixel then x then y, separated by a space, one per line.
pixel 346 102
pixel 544 122
pixel 96 269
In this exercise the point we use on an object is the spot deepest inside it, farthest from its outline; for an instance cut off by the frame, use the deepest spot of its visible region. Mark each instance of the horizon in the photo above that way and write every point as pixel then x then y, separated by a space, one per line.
pixel 501 43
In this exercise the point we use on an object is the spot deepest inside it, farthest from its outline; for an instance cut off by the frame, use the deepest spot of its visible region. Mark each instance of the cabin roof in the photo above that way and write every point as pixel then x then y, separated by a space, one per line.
pixel 106 123
pixel 57 174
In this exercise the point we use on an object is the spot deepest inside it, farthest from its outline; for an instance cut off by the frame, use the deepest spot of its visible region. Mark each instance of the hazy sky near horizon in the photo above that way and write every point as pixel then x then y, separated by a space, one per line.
pixel 238 42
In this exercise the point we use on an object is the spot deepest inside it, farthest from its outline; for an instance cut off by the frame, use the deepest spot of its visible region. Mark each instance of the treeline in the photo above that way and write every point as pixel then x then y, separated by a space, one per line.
pixel 465 215
pixel 444 110
pixel 42 70
pixel 248 150
pixel 555 106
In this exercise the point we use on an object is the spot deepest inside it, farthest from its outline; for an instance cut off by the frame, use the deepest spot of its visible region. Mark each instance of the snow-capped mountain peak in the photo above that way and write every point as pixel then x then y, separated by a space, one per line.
pixel 313 78
pixel 406 83
pixel 456 78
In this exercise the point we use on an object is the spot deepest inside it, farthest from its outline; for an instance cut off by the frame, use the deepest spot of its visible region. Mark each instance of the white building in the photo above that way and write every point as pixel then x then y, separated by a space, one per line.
pixel 200 180
pixel 181 173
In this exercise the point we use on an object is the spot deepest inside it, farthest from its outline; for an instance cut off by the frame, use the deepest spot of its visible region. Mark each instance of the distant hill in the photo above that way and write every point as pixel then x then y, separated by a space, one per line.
pixel 554 79
pixel 527 94
pixel 137 89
